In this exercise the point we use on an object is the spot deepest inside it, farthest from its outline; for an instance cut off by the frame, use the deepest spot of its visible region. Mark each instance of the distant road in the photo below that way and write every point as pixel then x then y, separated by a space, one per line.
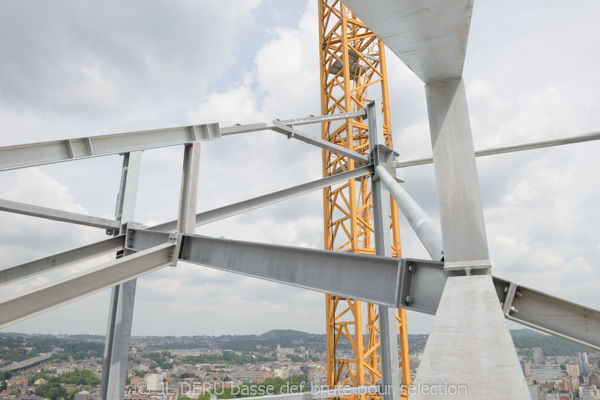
pixel 30 362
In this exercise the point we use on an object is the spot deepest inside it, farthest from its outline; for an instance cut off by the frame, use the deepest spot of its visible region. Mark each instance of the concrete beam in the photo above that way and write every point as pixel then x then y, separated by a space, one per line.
pixel 429 36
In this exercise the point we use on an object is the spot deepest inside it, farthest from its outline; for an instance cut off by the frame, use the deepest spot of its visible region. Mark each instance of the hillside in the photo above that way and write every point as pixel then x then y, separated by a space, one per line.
pixel 288 334
pixel 525 339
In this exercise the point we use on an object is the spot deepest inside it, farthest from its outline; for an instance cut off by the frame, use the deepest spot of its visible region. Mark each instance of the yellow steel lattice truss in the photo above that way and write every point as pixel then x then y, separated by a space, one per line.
pixel 352 61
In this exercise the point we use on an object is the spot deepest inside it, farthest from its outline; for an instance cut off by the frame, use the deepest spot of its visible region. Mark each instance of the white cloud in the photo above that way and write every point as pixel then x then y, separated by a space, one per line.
pixel 540 206
pixel 32 186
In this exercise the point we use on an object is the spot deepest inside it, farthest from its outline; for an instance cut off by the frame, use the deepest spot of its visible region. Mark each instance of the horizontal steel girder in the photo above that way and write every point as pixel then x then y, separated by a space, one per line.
pixel 29 155
pixel 33 268
pixel 58 215
pixel 415 285
pixel 85 283
pixel 363 277
pixel 41 153
pixel 510 148
pixel 267 199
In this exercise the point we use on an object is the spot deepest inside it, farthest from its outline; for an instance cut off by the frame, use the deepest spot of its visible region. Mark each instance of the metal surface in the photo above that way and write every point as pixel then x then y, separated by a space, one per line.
pixel 267 199
pixel 57 215
pixel 29 155
pixel 461 213
pixel 324 118
pixel 293 133
pixel 237 129
pixel 429 36
pixel 421 280
pixel 420 284
pixel 427 231
pixel 68 289
pixel 550 314
pixel 509 148
pixel 388 347
pixel 120 317
pixel 34 268
pixel 357 276
pixel 189 188
pixel 470 345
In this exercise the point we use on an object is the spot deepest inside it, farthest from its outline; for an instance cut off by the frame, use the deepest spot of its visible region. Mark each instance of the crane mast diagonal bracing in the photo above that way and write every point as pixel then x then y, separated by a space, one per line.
pixel 352 62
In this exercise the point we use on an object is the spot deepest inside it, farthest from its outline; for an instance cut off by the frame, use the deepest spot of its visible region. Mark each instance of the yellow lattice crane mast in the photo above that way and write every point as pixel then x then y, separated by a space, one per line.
pixel 352 61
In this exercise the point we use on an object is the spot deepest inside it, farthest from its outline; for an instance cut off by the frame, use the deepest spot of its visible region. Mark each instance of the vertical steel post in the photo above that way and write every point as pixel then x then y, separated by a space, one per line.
pixel 390 372
pixel 186 221
pixel 118 335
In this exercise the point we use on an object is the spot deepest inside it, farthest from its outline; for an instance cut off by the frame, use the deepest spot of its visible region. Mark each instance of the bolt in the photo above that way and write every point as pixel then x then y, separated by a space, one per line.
pixel 513 309
pixel 518 294
pixel 408 299
pixel 411 268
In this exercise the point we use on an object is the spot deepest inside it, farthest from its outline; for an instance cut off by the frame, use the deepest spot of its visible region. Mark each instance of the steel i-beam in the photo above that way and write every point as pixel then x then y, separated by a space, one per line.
pixel 390 374
pixel 85 283
pixel 120 317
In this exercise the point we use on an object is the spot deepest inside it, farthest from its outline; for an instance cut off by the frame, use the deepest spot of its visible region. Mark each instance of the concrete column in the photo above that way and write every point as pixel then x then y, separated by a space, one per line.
pixel 459 199
pixel 469 353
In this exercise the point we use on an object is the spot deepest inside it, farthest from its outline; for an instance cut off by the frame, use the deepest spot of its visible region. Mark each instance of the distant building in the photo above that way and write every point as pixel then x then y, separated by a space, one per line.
pixel 589 393
pixel 136 380
pixel 526 366
pixel 573 370
pixel 83 395
pixel 317 376
pixel 537 355
pixel 558 396
pixel 33 397
pixel 250 376
pixel 153 381
pixel 290 371
pixel 566 385
pixel 544 389
pixel 583 361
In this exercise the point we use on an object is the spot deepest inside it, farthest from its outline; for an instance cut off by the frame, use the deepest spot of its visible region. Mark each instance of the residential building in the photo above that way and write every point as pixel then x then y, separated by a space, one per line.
pixel 573 370
pixel 537 355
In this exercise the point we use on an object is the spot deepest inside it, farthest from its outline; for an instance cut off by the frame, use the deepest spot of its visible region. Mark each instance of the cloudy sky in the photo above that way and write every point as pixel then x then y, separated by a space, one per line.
pixel 73 68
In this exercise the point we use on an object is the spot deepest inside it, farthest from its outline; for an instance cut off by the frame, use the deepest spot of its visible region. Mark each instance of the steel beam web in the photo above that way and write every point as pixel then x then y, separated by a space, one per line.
pixel 31 269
